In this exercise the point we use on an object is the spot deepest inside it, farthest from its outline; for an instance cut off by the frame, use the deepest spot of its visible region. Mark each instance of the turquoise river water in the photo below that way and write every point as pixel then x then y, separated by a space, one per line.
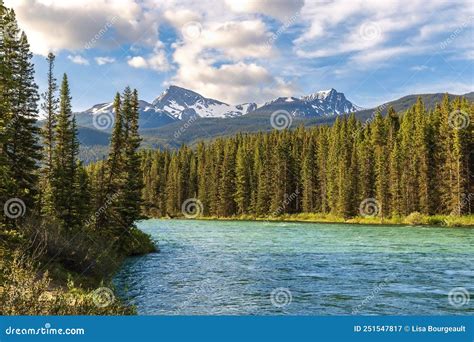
pixel 258 268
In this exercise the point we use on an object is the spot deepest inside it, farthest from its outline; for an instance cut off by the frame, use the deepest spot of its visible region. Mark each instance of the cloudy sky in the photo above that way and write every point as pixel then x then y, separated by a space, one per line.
pixel 254 50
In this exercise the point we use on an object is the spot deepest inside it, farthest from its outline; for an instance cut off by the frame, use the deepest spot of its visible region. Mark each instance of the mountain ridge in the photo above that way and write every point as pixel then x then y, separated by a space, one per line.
pixel 94 141
pixel 180 104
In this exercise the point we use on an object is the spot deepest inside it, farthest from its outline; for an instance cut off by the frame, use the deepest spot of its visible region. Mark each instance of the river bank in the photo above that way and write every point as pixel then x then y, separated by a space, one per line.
pixel 415 219
pixel 33 282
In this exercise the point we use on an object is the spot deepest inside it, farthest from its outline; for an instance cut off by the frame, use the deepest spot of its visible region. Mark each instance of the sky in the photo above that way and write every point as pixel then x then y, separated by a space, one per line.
pixel 241 51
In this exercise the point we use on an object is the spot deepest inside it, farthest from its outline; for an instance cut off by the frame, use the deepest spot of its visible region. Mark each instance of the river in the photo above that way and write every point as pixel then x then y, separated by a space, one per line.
pixel 259 268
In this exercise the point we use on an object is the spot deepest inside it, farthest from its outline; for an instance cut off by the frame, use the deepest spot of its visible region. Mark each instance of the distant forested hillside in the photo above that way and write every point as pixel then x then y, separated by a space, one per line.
pixel 415 161
pixel 94 142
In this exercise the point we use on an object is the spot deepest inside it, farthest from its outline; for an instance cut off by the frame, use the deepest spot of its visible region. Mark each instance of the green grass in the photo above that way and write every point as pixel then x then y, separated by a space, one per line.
pixel 412 219
pixel 36 284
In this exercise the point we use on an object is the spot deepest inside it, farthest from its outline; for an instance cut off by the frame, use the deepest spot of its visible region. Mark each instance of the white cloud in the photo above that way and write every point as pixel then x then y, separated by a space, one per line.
pixel 231 82
pixel 179 17
pixel 281 9
pixel 237 39
pixel 222 62
pixel 77 59
pixel 138 62
pixel 383 54
pixel 104 60
pixel 229 54
pixel 373 31
pixel 55 25
pixel 155 61
pixel 421 68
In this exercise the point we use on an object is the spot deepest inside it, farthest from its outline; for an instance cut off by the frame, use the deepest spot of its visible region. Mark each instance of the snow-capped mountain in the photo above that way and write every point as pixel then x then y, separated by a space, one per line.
pixel 330 102
pixel 101 116
pixel 321 103
pixel 181 103
pixel 177 103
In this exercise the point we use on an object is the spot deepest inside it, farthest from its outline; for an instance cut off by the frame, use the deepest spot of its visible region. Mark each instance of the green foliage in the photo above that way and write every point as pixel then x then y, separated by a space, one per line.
pixel 415 218
pixel 25 291
pixel 80 220
pixel 19 149
pixel 403 162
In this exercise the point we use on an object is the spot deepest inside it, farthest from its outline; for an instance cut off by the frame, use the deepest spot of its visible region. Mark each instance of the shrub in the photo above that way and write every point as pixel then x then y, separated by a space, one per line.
pixel 27 291
pixel 414 218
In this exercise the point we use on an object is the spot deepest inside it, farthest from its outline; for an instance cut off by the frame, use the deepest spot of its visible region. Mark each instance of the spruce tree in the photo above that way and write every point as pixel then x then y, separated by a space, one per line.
pixel 64 181
pixel 133 182
pixel 242 180
pixel 50 108
pixel 19 112
pixel 308 178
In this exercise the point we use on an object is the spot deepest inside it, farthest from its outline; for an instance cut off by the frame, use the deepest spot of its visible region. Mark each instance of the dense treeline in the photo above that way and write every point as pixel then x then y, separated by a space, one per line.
pixel 63 213
pixel 417 161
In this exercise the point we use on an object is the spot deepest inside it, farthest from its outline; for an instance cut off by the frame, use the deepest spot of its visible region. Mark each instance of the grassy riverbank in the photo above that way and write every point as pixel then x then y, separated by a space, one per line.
pixel 33 282
pixel 413 219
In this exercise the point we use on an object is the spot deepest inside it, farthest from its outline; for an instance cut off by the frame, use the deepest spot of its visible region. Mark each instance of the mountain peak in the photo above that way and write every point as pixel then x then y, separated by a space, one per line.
pixel 321 95
pixel 321 103
pixel 174 91
pixel 181 103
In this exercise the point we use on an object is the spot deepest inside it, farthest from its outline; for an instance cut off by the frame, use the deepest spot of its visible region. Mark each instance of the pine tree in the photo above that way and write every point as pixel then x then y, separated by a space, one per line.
pixel 18 99
pixel 50 108
pixel 202 182
pixel 262 177
pixel 394 174
pixel 173 204
pixel 227 205
pixel 131 201
pixel 64 160
pixel 397 159
pixel 242 180
pixel 379 139
pixel 309 179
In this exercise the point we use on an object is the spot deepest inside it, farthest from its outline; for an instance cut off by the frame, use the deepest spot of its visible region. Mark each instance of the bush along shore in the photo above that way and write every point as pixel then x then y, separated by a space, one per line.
pixel 65 228
pixel 414 219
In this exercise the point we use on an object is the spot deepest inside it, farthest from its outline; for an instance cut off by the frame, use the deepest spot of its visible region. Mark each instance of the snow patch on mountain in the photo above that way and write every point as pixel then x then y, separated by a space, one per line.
pixel 175 100
pixel 177 103
pixel 322 103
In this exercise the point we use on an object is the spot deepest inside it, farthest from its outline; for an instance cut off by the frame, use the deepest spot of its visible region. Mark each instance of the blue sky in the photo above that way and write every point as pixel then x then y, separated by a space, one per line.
pixel 253 50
